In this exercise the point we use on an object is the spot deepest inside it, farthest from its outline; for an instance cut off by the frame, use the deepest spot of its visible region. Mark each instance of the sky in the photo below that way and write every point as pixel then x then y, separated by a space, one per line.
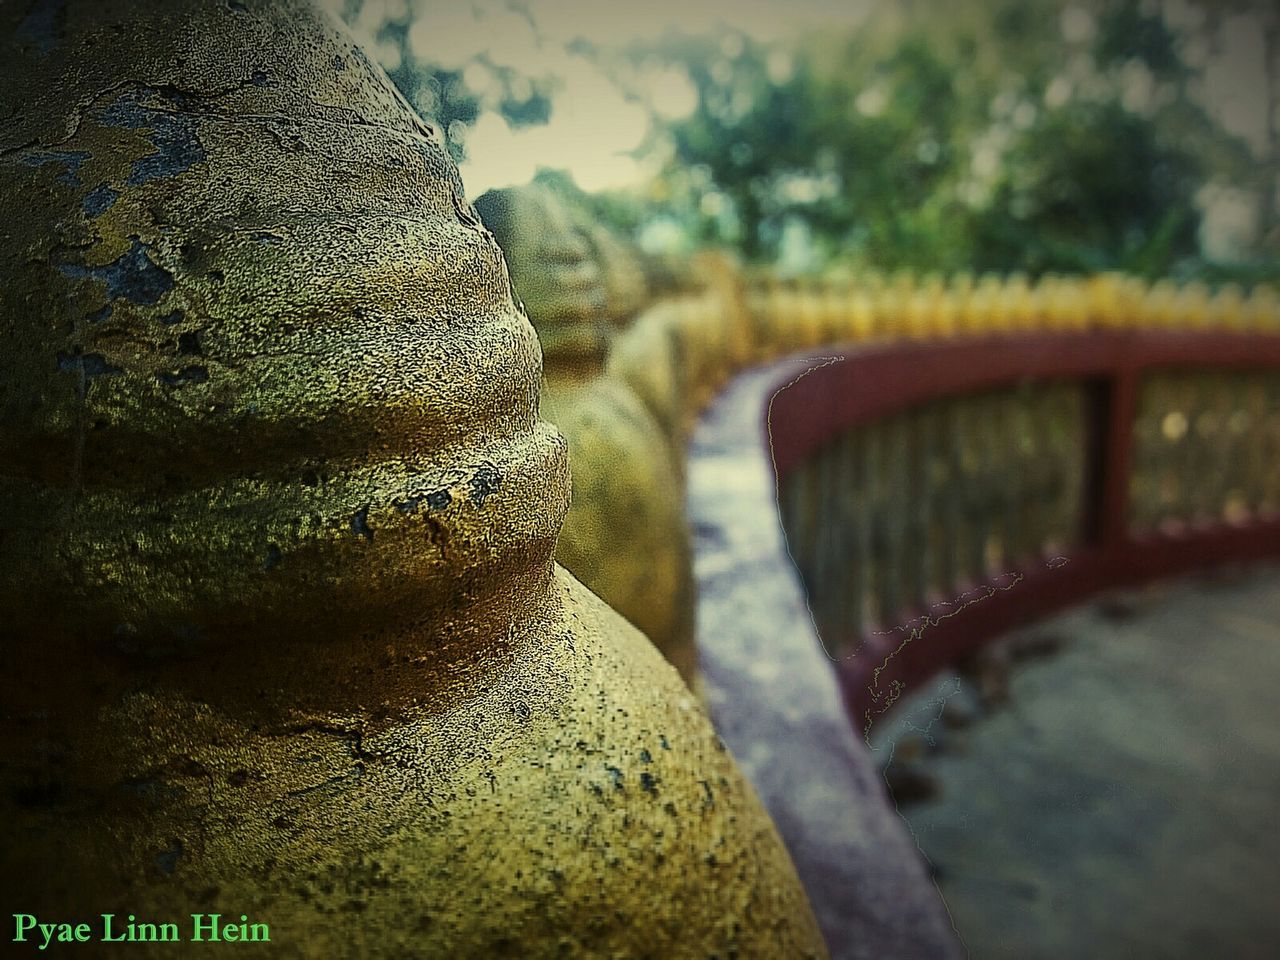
pixel 593 126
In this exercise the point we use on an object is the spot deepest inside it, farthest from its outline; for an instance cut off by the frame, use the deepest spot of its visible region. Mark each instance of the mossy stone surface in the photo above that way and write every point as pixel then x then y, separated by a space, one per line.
pixel 277 524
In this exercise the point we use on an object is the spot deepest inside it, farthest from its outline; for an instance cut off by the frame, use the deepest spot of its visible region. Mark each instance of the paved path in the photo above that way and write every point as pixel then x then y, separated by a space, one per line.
pixel 1124 802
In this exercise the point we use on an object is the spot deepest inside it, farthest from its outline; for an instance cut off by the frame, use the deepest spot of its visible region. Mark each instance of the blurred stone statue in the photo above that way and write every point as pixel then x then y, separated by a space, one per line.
pixel 625 536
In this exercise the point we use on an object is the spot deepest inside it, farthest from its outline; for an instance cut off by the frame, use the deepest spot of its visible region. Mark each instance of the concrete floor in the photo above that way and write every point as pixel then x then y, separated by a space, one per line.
pixel 1115 797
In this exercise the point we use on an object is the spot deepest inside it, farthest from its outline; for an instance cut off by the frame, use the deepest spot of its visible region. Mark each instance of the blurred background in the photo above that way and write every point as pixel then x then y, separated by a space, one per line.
pixel 1033 135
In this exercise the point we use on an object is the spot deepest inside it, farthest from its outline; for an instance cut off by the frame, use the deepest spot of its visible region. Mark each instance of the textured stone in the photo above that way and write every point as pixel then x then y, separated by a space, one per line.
pixel 277 520
pixel 558 282
pixel 625 535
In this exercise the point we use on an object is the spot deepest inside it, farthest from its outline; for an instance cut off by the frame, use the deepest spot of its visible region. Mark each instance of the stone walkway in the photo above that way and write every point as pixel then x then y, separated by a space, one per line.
pixel 1108 784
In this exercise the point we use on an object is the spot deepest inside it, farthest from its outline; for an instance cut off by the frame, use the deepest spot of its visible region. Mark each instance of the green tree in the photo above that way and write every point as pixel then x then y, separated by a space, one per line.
pixel 1013 135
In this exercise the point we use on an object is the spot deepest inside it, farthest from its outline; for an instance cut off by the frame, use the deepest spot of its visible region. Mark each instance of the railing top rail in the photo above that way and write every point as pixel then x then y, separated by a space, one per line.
pixel 864 381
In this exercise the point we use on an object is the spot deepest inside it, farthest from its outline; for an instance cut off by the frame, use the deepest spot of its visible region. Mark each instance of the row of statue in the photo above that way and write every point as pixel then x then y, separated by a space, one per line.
pixel 741 318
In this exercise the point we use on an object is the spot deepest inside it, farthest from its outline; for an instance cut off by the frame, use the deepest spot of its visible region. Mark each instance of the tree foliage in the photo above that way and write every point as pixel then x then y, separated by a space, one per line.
pixel 443 95
pixel 976 136
pixel 1036 135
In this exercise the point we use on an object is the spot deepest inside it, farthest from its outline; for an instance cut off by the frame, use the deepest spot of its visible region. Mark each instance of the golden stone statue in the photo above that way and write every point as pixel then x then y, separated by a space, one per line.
pixel 625 536
pixel 285 641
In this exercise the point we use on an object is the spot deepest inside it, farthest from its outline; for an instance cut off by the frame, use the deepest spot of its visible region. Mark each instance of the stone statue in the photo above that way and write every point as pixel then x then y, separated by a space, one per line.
pixel 625 535
pixel 285 640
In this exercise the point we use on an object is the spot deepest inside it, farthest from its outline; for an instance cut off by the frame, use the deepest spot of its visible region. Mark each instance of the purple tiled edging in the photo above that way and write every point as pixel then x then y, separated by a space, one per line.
pixel 774 699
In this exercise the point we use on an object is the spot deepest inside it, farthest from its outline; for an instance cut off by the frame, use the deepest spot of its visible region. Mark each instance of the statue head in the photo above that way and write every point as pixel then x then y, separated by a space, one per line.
pixel 261 374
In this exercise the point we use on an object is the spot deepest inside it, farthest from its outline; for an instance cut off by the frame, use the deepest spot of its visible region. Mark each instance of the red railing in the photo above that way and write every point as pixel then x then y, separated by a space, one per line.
pixel 941 616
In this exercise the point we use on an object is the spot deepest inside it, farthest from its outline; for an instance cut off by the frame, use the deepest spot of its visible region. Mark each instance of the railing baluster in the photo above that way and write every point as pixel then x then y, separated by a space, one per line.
pixel 1149 454
pixel 934 479
pixel 830 565
pixel 1062 433
pixel 974 490
pixel 810 503
pixel 860 583
pixel 916 512
pixel 844 516
pixel 1001 518
pixel 897 503
pixel 1255 406
pixel 1211 437
pixel 1026 414
pixel 1271 433
pixel 880 569
pixel 1181 506
pixel 949 490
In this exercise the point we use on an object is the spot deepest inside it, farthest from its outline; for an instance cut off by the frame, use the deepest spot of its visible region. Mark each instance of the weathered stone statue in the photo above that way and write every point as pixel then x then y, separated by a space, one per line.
pixel 283 635
pixel 625 535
